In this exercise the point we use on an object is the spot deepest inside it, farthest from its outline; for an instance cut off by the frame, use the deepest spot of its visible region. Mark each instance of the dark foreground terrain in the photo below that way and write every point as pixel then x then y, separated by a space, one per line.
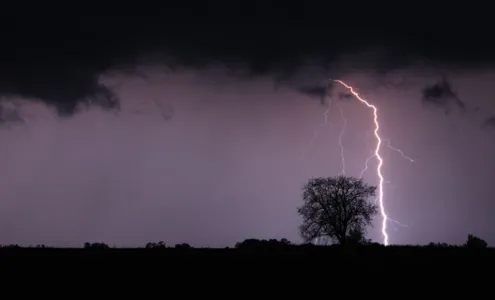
pixel 375 258
pixel 303 270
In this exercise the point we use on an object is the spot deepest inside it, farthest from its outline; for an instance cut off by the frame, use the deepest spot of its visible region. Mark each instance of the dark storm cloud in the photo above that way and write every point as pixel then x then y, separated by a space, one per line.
pixel 9 114
pixel 57 57
pixel 442 96
pixel 60 82
pixel 314 91
pixel 489 123
pixel 166 110
pixel 345 96
pixel 320 91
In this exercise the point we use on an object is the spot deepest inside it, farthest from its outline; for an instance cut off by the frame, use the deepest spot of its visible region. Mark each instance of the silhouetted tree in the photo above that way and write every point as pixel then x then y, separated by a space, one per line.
pixel 475 242
pixel 336 207
pixel 182 246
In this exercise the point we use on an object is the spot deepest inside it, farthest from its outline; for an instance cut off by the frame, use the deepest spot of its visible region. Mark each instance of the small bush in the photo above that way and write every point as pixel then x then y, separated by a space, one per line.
pixel 182 246
pixel 160 244
pixel 475 242
pixel 95 246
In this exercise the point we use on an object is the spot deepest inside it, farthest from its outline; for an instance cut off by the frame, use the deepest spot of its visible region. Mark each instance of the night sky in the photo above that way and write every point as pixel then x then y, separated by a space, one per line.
pixel 193 122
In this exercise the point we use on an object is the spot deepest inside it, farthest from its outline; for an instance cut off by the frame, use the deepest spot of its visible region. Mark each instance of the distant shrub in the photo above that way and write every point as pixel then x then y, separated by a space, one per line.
pixel 439 245
pixel 182 246
pixel 285 241
pixel 160 244
pixel 11 246
pixel 263 244
pixel 373 244
pixel 475 242
pixel 357 237
pixel 95 246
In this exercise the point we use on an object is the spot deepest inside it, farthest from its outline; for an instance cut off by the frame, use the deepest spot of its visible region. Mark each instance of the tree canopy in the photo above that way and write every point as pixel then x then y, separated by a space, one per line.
pixel 336 207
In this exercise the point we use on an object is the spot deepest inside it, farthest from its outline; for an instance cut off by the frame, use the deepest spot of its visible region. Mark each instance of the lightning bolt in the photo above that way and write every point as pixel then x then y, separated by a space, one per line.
pixel 398 150
pixel 373 155
pixel 380 198
pixel 385 218
pixel 366 165
pixel 342 132
pixel 315 131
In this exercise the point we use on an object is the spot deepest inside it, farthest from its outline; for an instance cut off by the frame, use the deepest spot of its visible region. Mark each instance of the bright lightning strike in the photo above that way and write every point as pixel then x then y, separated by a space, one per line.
pixel 373 155
pixel 342 132
pixel 385 217
pixel 376 154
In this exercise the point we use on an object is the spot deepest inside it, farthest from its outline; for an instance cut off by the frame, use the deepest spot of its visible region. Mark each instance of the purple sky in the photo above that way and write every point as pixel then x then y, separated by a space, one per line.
pixel 211 159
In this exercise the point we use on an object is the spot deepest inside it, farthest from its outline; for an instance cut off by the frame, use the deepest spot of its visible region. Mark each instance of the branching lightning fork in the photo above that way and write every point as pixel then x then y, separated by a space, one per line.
pixel 315 131
pixel 385 218
pixel 376 154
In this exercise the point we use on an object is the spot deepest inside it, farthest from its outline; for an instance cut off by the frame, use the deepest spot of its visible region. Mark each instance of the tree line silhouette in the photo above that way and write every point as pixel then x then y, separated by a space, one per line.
pixel 336 208
pixel 472 242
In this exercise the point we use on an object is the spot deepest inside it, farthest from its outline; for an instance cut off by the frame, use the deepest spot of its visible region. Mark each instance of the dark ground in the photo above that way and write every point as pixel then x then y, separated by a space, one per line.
pixel 285 271
pixel 373 258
